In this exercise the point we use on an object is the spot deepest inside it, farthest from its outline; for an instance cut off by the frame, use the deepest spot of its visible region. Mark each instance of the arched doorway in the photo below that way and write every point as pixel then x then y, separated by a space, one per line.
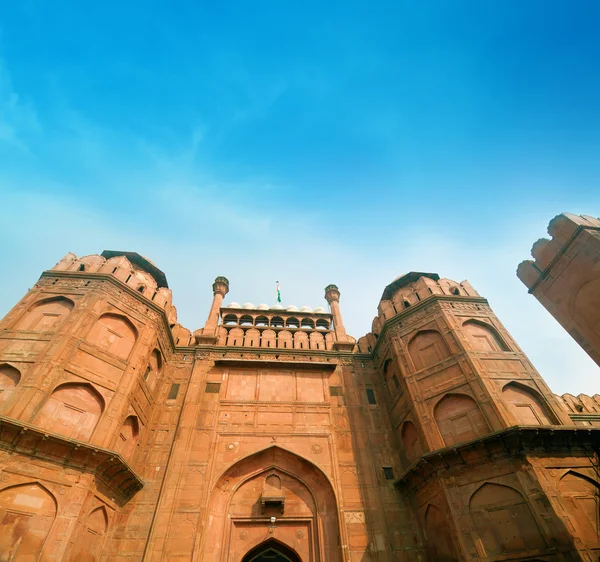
pixel 271 551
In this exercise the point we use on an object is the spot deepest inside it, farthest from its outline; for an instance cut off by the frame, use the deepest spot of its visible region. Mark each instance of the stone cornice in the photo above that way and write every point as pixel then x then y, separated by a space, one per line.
pixel 511 442
pixel 108 466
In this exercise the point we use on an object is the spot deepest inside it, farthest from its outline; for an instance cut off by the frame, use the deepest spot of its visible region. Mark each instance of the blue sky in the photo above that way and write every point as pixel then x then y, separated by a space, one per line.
pixel 310 143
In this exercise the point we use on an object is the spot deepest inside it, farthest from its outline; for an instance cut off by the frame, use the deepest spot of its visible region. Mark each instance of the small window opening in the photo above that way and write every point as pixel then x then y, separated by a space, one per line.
pixel 184 357
pixel 430 291
pixel 388 472
pixel 300 345
pixel 251 343
pixel 141 289
pixel 418 297
pixel 234 342
pixel 406 304
pixel 284 344
pixel 155 293
pixel 362 364
pixel 268 344
pixel 396 381
pixel 455 291
pixel 82 267
pixel 173 392
pixel 371 396
pixel 213 387
pixel 369 348
pixel 115 269
pixel 177 342
pixel 147 373
pixel 127 280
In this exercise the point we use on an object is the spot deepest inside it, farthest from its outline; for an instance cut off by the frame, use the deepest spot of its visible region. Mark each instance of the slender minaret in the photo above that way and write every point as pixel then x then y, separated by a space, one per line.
pixel 208 334
pixel 342 341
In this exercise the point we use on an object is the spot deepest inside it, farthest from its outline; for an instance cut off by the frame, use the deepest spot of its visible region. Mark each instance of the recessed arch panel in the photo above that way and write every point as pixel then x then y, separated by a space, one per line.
pixel 427 348
pixel 45 315
pixel 459 419
pixel 9 378
pixel 527 405
pixel 73 409
pixel 581 494
pixel 115 334
pixel 504 520
pixel 483 337
pixel 587 304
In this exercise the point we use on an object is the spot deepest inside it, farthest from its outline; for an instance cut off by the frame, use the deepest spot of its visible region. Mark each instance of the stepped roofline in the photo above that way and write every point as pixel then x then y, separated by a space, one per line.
pixel 404 280
pixel 141 262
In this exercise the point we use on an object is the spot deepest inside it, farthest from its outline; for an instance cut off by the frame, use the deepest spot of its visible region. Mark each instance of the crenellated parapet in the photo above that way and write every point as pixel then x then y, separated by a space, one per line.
pixel 565 277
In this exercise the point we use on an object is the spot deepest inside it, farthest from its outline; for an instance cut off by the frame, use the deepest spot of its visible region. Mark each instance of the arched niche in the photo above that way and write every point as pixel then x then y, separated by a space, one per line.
pixel 114 334
pixel 307 490
pixel 504 521
pixel 153 369
pixel 9 379
pixel 45 315
pixel 581 499
pixel 410 440
pixel 439 543
pixel 271 550
pixel 128 437
pixel 586 304
pixel 285 339
pixel 317 341
pixel 27 512
pixel 483 337
pixel 301 340
pixel 527 405
pixel 252 338
pixel 91 537
pixel 426 348
pixel 235 337
pixel 459 419
pixel 73 410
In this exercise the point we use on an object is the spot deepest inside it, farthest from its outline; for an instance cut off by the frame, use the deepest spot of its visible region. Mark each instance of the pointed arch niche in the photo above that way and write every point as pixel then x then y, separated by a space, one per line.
pixel 73 410
pixel 45 315
pixel 27 512
pixel 128 437
pixel 527 405
pixel 581 498
pixel 483 337
pixel 307 522
pixel 9 379
pixel 114 334
pixel 271 550
pixel 427 348
pixel 459 419
pixel 504 521
pixel 439 541
pixel 92 537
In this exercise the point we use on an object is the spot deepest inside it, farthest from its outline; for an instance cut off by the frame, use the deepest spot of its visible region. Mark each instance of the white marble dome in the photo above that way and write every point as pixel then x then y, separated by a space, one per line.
pixel 248 306
pixel 263 307
pixel 306 309
pixel 292 308
pixel 233 305
pixel 277 307
pixel 319 309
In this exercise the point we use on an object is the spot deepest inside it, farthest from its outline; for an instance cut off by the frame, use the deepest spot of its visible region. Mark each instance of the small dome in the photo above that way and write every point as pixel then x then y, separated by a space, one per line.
pixel 233 305
pixel 319 309
pixel 277 307
pixel 248 306
pixel 292 308
pixel 263 307
pixel 306 309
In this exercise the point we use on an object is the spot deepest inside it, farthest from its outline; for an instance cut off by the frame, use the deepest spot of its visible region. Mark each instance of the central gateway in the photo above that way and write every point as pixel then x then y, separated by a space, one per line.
pixel 271 551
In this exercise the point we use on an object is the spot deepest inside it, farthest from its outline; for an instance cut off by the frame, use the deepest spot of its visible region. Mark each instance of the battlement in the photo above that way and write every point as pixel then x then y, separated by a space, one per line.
pixel 562 229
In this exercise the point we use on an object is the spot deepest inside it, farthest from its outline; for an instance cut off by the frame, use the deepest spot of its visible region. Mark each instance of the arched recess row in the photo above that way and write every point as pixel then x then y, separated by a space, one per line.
pixel 45 315
pixel 527 405
pixel 427 348
pixel 504 521
pixel 311 486
pixel 459 419
pixel 73 410
pixel 483 337
pixel 27 512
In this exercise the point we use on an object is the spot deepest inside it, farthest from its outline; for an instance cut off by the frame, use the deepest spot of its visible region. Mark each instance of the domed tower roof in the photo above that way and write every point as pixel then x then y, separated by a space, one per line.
pixel 140 262
pixel 405 280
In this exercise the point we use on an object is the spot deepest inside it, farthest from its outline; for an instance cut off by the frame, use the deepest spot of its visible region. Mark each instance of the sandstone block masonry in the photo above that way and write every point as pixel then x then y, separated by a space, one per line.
pixel 270 434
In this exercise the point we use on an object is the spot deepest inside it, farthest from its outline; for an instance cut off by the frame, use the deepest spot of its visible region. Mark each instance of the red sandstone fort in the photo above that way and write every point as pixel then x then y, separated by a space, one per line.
pixel 270 434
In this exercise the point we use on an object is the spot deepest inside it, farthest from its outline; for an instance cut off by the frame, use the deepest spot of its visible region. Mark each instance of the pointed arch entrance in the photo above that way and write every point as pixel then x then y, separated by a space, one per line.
pixel 271 551
pixel 272 503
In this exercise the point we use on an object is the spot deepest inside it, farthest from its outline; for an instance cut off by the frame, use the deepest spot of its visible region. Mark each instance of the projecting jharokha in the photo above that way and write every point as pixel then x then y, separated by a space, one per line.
pixel 270 434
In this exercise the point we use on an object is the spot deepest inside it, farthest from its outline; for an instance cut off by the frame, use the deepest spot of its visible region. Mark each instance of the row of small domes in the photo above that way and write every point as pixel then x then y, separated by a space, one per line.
pixel 250 306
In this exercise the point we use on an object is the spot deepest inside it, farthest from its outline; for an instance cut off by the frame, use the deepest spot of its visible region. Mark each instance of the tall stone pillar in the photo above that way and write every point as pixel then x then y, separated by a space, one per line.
pixel 208 335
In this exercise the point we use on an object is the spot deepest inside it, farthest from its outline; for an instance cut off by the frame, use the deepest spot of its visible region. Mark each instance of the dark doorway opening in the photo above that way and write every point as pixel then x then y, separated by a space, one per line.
pixel 271 551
